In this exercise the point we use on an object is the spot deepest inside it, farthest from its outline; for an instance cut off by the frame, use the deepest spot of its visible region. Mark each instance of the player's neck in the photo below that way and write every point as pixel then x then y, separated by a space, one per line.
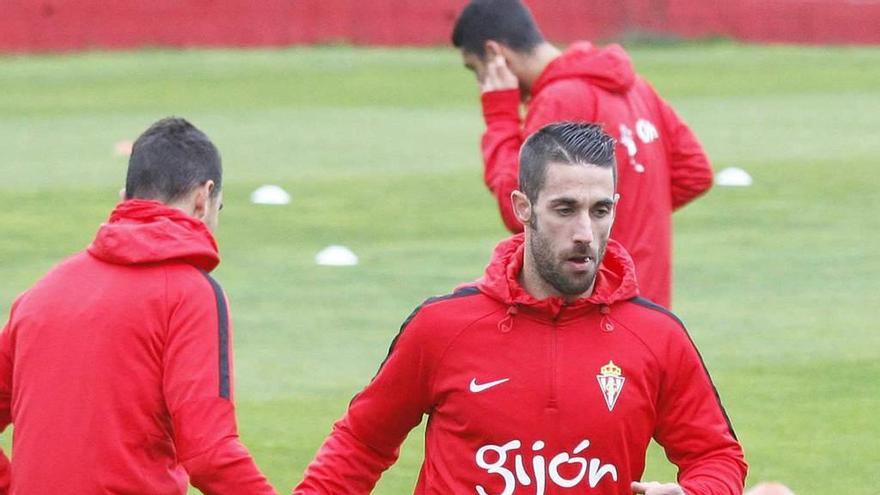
pixel 537 62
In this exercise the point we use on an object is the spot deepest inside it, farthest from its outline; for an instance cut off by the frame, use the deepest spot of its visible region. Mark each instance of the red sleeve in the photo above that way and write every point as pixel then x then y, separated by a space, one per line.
pixel 693 428
pixel 7 353
pixel 198 393
pixel 500 147
pixel 505 134
pixel 366 441
pixel 689 170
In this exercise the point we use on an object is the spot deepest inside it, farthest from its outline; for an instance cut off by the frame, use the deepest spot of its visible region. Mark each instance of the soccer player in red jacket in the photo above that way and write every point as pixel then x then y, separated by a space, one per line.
pixel 116 367
pixel 549 375
pixel 661 165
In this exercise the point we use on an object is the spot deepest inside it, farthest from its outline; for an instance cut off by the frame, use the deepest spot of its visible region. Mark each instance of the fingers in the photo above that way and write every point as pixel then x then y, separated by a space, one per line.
pixel 496 66
pixel 655 488
pixel 491 82
pixel 498 76
pixel 639 487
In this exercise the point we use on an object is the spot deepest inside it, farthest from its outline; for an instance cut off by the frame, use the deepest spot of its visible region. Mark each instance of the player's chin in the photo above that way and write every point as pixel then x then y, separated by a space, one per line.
pixel 577 284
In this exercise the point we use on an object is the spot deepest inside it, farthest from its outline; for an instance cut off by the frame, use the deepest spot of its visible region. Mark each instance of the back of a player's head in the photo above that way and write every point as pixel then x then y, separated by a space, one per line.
pixel 169 160
pixel 506 21
pixel 569 143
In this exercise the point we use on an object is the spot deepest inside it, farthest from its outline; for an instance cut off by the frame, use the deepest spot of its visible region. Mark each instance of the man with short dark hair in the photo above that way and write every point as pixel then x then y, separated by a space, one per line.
pixel 116 367
pixel 549 375
pixel 662 166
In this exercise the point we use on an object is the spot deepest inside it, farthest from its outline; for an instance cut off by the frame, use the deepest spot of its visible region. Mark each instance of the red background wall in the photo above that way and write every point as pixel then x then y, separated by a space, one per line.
pixel 42 25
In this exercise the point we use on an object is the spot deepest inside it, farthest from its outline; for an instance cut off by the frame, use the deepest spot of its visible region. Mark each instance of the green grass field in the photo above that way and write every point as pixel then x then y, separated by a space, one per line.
pixel 778 282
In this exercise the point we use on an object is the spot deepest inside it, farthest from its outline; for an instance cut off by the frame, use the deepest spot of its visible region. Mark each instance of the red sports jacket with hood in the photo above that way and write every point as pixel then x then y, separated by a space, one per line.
pixel 661 165
pixel 538 397
pixel 116 367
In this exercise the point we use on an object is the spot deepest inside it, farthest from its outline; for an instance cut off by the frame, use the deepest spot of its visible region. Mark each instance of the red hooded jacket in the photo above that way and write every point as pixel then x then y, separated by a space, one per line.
pixel 116 367
pixel 534 396
pixel 661 165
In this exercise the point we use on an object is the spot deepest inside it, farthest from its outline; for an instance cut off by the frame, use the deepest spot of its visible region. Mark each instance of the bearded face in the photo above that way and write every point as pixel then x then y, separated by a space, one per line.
pixel 568 228
pixel 570 270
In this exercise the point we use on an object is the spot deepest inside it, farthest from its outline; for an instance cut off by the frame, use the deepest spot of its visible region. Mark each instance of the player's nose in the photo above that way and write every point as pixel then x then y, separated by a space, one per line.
pixel 583 230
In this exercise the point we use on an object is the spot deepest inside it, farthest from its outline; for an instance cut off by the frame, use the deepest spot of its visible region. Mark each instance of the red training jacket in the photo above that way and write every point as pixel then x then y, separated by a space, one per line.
pixel 661 165
pixel 536 397
pixel 116 367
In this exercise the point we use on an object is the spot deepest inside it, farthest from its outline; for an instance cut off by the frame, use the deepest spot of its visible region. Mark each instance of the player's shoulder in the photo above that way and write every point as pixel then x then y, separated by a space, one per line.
pixel 646 317
pixel 655 326
pixel 451 305
pixel 64 278
pixel 566 87
pixel 70 267
pixel 185 273
pixel 186 281
pixel 449 311
pixel 456 296
pixel 438 321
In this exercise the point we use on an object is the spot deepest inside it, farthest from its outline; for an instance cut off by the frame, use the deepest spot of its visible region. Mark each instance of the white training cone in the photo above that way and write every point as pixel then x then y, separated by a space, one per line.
pixel 270 195
pixel 336 256
pixel 733 177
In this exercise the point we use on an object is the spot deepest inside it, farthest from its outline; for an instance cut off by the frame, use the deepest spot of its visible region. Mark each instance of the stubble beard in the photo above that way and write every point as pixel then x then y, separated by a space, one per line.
pixel 550 268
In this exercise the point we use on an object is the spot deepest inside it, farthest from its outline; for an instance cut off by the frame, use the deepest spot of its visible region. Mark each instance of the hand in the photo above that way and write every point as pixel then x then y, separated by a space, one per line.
pixel 498 76
pixel 654 488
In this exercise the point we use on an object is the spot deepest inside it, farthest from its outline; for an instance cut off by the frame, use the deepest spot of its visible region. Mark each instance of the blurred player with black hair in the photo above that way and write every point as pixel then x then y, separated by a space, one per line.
pixel 116 367
pixel 662 166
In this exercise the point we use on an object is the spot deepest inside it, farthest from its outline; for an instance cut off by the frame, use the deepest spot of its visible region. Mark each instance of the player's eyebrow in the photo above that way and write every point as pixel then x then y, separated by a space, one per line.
pixel 607 203
pixel 563 201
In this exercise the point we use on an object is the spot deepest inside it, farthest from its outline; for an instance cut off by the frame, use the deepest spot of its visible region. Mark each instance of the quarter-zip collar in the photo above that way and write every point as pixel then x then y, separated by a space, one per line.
pixel 615 281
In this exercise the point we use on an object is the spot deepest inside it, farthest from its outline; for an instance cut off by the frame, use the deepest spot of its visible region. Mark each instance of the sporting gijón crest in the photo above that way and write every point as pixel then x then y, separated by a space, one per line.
pixel 611 382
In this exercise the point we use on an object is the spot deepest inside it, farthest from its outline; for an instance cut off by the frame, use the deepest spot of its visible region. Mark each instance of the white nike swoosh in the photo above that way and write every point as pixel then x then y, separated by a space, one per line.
pixel 479 387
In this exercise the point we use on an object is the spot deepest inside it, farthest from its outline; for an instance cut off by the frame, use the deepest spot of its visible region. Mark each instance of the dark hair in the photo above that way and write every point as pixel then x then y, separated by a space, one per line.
pixel 170 159
pixel 563 142
pixel 505 21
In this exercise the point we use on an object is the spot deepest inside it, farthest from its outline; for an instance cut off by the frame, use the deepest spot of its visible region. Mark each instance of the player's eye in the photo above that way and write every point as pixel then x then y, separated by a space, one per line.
pixel 564 212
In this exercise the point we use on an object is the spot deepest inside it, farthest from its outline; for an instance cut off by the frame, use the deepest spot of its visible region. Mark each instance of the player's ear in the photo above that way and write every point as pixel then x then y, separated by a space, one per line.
pixel 613 211
pixel 493 49
pixel 522 207
pixel 201 199
pixel 122 194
